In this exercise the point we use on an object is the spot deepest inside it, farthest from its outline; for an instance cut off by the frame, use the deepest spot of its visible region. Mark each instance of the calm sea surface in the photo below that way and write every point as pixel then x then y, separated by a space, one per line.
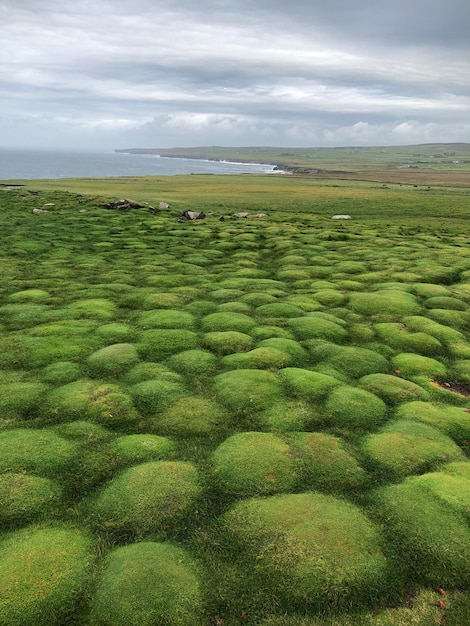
pixel 29 164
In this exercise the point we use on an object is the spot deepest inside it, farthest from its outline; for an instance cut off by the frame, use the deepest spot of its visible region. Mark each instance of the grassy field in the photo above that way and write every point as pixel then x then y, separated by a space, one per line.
pixel 249 421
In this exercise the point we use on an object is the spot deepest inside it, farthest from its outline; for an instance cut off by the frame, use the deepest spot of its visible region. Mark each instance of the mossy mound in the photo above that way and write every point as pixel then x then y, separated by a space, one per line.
pixel 134 449
pixel 278 310
pixel 42 571
pixel 191 416
pixel 258 298
pixel 430 538
pixel 448 317
pixel 284 416
pixel 222 322
pixel 29 295
pixel 87 433
pixel 194 363
pixel 152 396
pixel 442 333
pixel 107 404
pixel 40 452
pixel 61 372
pixel 357 362
pixel 92 308
pixel 406 447
pixel 400 338
pixel 330 297
pixel 234 307
pixel 25 498
pixel 392 389
pixel 261 333
pixel 247 389
pixel 19 316
pixel 160 343
pixel 316 327
pixel 113 360
pixel 200 308
pixel 430 290
pixel 445 302
pixel 114 332
pixel 311 386
pixel 20 398
pixel 409 365
pixel 166 318
pixel 162 300
pixel 450 487
pixel 253 463
pixel 325 462
pixel 150 371
pixel 307 549
pixel 148 583
pixel 452 420
pixel 259 358
pixel 354 408
pixel 297 353
pixel 227 342
pixel 147 498
pixel 385 301
pixel 462 370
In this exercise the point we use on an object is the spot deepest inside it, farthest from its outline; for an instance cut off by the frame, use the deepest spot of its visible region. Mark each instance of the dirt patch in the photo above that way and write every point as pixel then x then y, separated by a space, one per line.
pixel 463 390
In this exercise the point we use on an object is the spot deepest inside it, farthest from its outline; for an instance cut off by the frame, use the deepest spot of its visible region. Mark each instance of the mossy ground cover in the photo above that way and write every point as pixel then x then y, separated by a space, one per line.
pixel 268 418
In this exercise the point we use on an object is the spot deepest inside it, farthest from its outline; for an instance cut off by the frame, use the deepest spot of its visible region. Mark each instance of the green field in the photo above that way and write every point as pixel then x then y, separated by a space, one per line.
pixel 259 421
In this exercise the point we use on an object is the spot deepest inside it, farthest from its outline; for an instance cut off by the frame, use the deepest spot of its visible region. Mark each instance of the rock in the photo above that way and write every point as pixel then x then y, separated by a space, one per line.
pixel 341 217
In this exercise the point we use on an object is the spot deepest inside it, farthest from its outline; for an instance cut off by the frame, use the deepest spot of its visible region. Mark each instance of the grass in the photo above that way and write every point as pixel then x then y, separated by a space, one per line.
pixel 268 417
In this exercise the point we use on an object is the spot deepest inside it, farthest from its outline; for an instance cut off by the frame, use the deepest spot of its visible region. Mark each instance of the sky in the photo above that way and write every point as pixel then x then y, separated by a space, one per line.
pixel 105 74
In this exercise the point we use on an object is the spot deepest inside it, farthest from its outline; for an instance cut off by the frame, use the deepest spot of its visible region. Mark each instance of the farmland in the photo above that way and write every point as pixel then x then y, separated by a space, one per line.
pixel 248 421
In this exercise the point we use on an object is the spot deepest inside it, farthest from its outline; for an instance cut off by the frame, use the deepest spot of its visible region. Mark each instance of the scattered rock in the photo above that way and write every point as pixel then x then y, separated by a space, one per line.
pixel 163 205
pixel 191 215
pixel 36 211
pixel 124 205
pixel 341 217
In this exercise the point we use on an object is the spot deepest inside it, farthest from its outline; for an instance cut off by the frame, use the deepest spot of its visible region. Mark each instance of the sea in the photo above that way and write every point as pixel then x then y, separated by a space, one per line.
pixel 33 164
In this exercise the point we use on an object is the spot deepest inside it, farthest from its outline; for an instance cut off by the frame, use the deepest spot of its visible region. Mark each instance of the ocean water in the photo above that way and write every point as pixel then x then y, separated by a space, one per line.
pixel 34 164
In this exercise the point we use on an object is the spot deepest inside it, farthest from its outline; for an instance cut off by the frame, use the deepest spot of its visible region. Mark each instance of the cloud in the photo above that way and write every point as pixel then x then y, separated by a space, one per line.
pixel 149 72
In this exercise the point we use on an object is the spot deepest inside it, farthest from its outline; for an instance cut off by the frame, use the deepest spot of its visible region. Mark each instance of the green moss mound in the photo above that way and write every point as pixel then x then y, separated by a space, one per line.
pixel 354 408
pixel 285 416
pixel 20 398
pixel 148 583
pixel 253 463
pixel 452 420
pixel 160 343
pixel 152 396
pixel 40 452
pixel 430 538
pixel 61 372
pixel 308 549
pixel 330 297
pixel 316 327
pixel 357 362
pixel 134 449
pixel 311 386
pixel 400 338
pixel 113 360
pixel 227 342
pixel 166 318
pixel 462 370
pixel 150 371
pixel 445 302
pixel 450 487
pixel 406 447
pixel 194 363
pixel 297 353
pixel 191 416
pixel 387 301
pixel 222 322
pixel 83 431
pixel 325 462
pixel 29 295
pixel 259 358
pixel 278 310
pixel 114 332
pixel 246 389
pixel 442 333
pixel 25 498
pixel 147 498
pixel 392 389
pixel 448 317
pixel 93 308
pixel 409 364
pixel 42 571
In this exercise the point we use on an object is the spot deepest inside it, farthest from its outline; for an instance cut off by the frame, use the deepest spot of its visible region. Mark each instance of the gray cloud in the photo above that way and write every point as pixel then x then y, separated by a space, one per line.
pixel 148 72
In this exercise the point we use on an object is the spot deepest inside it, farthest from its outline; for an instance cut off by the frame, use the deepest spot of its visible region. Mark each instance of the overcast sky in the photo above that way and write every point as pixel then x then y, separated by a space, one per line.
pixel 106 74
